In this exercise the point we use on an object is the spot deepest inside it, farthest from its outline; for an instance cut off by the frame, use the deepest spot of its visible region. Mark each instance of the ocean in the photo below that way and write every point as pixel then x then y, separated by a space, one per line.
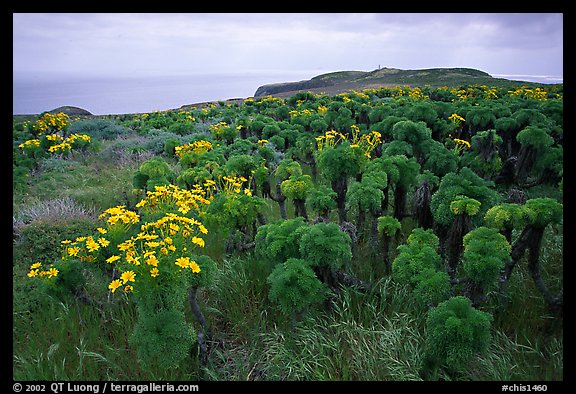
pixel 105 96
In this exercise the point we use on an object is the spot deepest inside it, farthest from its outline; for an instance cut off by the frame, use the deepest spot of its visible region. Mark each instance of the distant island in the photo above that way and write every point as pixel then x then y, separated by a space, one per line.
pixel 340 81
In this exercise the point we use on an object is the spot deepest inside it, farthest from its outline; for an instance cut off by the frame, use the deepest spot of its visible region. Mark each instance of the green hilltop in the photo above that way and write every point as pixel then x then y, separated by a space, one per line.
pixel 340 81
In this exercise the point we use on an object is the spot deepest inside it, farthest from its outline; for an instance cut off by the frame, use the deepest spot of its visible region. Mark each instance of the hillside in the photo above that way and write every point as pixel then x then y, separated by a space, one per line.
pixel 336 82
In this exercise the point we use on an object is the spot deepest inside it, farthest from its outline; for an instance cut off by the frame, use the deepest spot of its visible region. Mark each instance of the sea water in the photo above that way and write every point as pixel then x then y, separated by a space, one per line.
pixel 106 95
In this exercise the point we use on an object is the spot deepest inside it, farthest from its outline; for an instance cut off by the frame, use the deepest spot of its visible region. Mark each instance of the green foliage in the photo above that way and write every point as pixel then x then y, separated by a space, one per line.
pixel 295 287
pixel 189 177
pixel 153 172
pixel 277 242
pixel 208 270
pixel 481 118
pixel 286 168
pixel 484 158
pixel 325 245
pixel 439 159
pixel 322 199
pixel 233 211
pixel 421 237
pixel 543 211
pixel 40 240
pixel 431 286
pixel 456 331
pixel 465 183
pixel 241 165
pixel 388 225
pixel 419 266
pixel 339 162
pixel 163 339
pixel 485 253
pixel 408 169
pixel 506 216
pixel 463 205
pixel 535 136
pixel 365 195
pixel 297 186
pixel 416 134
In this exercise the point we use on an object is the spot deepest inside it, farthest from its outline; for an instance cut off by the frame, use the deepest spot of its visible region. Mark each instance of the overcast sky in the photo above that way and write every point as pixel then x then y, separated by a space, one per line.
pixel 301 44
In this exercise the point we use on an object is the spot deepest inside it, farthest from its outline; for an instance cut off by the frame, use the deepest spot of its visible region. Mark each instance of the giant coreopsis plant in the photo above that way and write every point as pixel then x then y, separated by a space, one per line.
pixel 539 214
pixel 156 262
pixel 419 266
pixel 297 188
pixel 486 251
pixel 456 332
pixel 337 164
pixel 534 141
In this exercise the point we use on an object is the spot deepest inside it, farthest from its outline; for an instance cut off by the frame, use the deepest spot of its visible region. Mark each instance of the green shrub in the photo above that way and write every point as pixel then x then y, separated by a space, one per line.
pixel 456 331
pixel 295 287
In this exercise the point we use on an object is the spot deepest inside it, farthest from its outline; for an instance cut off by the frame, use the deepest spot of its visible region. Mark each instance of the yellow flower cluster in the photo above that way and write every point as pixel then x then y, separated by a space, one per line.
pixel 55 121
pixel 119 214
pixel 365 142
pixel 460 146
pixel 84 248
pixel 270 99
pixel 36 271
pixel 201 146
pixel 322 109
pixel 60 145
pixel 417 94
pixel 231 184
pixel 462 142
pixel 304 113
pixel 30 144
pixel 158 250
pixel 534 94
pixel 329 139
pixel 456 120
pixel 166 197
pixel 218 129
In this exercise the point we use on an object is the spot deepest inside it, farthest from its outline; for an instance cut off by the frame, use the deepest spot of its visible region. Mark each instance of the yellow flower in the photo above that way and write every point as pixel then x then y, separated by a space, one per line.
pixel 52 272
pixel 198 241
pixel 35 265
pixel 128 276
pixel 183 262
pixel 92 245
pixel 73 251
pixel 154 272
pixel 194 267
pixel 101 230
pixel 112 259
pixel 114 285
pixel 32 273
pixel 152 260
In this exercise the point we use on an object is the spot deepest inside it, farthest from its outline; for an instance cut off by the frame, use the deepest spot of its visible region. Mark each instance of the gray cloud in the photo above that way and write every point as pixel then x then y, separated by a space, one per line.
pixel 130 44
